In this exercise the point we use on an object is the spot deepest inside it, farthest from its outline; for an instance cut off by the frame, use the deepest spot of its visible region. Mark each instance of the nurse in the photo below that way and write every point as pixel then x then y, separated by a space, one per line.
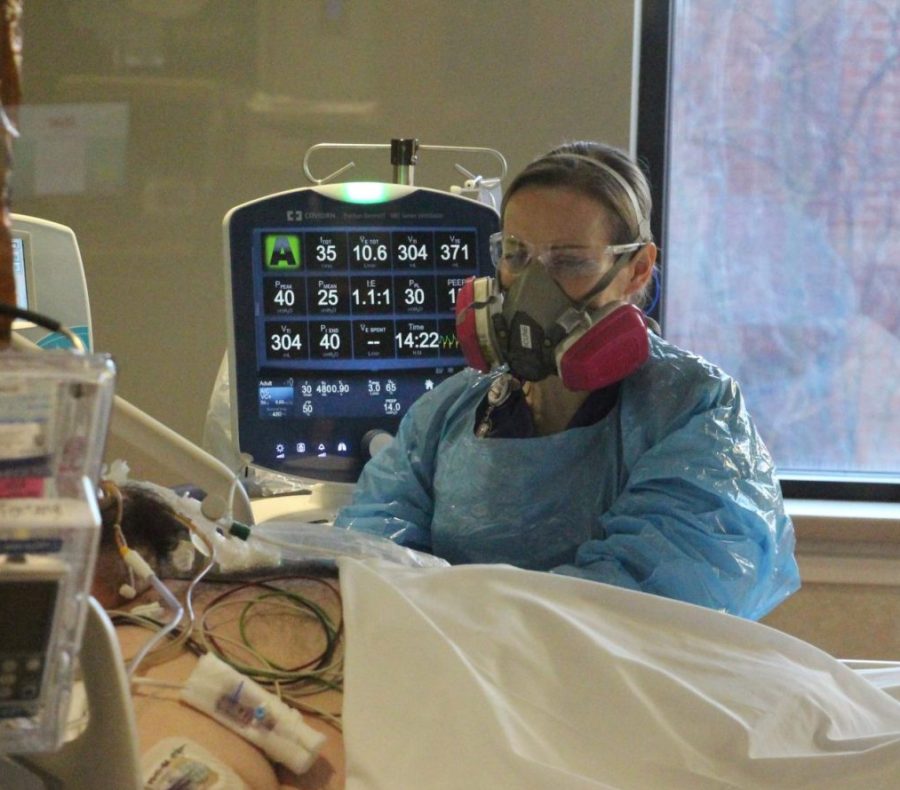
pixel 586 444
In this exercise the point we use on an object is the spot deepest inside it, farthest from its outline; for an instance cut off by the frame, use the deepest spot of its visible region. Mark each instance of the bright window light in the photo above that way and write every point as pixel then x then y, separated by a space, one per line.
pixel 781 244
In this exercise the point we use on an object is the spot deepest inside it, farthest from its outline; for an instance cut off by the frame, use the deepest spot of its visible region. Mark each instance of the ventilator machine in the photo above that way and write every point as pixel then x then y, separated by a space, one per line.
pixel 342 312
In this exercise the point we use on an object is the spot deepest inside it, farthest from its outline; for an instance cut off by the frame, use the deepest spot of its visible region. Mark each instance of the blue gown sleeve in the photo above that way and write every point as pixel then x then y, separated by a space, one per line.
pixel 700 519
pixel 394 496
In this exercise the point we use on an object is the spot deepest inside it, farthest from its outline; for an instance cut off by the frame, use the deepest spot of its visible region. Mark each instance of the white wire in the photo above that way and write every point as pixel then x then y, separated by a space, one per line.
pixel 174 605
pixel 178 610
pixel 143 680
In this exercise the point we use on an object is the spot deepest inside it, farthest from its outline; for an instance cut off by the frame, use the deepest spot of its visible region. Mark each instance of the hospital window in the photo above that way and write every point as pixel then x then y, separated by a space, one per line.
pixel 770 130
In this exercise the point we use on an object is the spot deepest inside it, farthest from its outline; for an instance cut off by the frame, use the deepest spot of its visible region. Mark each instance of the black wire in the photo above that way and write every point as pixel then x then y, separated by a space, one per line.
pixel 29 315
pixel 331 631
pixel 150 623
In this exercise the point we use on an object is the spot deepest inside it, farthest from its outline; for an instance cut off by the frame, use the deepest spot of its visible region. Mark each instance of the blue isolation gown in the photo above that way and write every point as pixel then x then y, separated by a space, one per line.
pixel 673 492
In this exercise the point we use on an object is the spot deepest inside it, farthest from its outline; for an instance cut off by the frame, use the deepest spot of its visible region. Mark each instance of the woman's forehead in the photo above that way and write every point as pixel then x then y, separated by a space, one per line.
pixel 552 215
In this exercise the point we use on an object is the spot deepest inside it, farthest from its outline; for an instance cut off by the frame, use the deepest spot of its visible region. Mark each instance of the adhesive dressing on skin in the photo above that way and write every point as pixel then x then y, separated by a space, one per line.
pixel 246 708
pixel 180 763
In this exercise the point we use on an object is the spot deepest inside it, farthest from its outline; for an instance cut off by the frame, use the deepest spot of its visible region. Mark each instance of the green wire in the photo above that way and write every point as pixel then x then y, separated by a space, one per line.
pixel 301 601
pixel 274 673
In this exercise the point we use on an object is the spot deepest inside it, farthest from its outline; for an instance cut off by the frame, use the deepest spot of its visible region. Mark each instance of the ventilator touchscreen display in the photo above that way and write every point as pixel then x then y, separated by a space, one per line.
pixel 362 299
pixel 351 314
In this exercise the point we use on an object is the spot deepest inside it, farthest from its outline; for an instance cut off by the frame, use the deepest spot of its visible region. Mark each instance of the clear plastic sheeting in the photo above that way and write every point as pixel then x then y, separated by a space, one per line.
pixel 218 438
pixel 502 677
pixel 300 542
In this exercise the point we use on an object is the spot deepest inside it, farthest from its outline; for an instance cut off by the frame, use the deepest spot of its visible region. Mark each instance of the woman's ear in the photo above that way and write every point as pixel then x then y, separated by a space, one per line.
pixel 641 268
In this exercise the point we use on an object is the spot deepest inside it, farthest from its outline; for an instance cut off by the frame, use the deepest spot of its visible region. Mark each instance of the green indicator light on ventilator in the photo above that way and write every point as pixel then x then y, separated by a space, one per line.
pixel 364 192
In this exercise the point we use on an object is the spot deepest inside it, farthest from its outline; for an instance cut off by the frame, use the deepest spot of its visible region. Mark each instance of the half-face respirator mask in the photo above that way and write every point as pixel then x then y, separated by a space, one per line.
pixel 535 329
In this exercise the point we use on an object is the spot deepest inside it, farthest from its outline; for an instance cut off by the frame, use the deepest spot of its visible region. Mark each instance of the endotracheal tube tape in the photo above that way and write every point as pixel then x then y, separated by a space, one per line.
pixel 254 713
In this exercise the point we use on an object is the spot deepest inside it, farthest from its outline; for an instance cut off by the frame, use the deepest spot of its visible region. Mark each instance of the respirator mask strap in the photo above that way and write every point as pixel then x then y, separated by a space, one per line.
pixel 644 235
pixel 606 280
pixel 611 344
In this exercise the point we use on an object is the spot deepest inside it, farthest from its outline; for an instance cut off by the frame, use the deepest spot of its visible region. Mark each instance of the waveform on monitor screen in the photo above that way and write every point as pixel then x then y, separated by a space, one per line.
pixel 449 342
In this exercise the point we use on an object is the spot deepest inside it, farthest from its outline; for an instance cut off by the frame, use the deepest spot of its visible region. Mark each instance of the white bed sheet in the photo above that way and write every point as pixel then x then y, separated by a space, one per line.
pixel 494 677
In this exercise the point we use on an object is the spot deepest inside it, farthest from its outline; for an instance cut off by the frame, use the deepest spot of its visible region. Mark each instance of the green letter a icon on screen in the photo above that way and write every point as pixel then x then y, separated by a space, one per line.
pixel 281 251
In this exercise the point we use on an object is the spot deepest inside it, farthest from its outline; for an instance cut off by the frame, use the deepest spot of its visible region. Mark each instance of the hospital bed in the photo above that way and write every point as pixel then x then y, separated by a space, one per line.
pixel 497 677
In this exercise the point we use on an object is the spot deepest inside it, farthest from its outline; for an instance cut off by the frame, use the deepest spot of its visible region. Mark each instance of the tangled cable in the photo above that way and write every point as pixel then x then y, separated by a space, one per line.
pixel 322 670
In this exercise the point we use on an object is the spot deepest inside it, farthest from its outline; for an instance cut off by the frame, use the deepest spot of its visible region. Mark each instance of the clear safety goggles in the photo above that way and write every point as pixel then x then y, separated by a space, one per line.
pixel 563 262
